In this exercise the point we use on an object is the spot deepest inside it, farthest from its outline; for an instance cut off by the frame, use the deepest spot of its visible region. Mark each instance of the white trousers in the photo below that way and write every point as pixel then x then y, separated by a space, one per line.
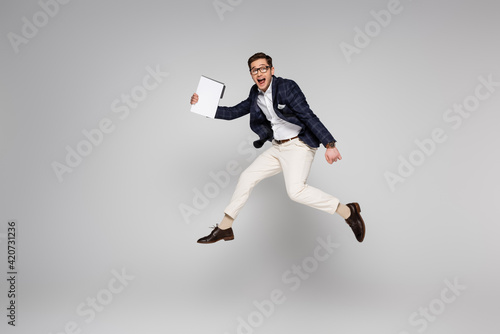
pixel 294 159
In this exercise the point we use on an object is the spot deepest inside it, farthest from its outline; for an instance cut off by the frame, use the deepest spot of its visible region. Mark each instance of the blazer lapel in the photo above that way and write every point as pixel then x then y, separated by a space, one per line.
pixel 275 93
pixel 255 112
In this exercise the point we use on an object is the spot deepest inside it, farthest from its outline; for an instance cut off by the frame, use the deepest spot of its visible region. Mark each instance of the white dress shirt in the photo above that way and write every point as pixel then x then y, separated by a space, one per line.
pixel 281 128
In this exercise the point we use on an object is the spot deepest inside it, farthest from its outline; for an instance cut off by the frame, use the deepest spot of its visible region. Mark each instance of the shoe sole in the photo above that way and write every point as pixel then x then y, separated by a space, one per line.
pixel 213 242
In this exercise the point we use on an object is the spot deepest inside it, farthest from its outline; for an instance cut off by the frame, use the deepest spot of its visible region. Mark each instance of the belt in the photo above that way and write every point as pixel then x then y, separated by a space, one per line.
pixel 285 140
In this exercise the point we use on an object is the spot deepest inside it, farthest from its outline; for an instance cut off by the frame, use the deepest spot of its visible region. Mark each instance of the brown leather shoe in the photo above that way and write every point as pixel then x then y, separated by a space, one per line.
pixel 355 221
pixel 216 235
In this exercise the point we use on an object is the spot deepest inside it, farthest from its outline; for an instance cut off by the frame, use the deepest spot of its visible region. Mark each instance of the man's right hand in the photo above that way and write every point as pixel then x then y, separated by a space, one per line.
pixel 194 98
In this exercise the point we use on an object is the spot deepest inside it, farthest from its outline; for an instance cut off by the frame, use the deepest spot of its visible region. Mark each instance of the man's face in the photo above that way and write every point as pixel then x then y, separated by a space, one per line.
pixel 263 80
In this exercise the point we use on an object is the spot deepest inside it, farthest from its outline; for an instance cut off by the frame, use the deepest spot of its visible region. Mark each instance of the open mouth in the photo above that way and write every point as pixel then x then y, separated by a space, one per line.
pixel 261 81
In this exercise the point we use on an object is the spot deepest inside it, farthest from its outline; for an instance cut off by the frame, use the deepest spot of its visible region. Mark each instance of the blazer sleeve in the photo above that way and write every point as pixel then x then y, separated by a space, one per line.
pixel 299 105
pixel 229 113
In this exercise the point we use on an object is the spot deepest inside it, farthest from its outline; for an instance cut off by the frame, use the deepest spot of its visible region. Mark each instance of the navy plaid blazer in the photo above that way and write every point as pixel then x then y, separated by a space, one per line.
pixel 294 109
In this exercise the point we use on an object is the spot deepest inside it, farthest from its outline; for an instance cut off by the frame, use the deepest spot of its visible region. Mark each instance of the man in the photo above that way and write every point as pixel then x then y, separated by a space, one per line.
pixel 280 113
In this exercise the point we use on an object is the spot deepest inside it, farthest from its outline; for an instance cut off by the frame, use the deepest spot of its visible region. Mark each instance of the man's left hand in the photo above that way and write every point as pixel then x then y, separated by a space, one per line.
pixel 332 155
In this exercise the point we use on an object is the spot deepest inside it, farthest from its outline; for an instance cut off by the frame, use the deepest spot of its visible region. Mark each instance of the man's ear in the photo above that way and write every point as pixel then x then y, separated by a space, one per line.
pixel 272 70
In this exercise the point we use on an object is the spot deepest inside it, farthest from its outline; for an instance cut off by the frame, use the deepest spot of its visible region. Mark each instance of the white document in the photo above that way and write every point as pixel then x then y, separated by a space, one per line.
pixel 210 92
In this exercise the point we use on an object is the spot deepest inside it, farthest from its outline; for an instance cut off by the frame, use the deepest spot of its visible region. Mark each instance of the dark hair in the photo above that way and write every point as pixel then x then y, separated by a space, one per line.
pixel 260 55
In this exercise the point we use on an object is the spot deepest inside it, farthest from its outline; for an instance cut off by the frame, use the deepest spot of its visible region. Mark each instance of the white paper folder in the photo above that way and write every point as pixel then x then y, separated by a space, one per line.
pixel 210 92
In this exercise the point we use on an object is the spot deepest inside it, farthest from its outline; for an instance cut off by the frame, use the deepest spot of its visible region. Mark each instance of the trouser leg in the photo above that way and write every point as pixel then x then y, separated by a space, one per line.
pixel 265 165
pixel 296 159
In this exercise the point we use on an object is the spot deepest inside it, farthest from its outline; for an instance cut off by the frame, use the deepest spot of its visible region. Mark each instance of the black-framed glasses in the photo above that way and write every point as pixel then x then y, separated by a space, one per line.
pixel 262 69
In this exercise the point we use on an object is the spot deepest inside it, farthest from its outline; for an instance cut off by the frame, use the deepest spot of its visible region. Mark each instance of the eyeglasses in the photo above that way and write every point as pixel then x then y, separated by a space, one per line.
pixel 262 69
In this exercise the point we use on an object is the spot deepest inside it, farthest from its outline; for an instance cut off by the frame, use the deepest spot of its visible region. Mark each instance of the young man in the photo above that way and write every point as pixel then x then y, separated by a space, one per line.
pixel 280 113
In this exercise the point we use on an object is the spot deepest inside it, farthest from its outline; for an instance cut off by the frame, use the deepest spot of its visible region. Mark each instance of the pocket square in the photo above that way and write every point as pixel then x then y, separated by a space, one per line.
pixel 281 106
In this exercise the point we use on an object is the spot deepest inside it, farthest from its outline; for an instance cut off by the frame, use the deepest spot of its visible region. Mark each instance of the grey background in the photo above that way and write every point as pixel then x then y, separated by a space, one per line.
pixel 120 208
